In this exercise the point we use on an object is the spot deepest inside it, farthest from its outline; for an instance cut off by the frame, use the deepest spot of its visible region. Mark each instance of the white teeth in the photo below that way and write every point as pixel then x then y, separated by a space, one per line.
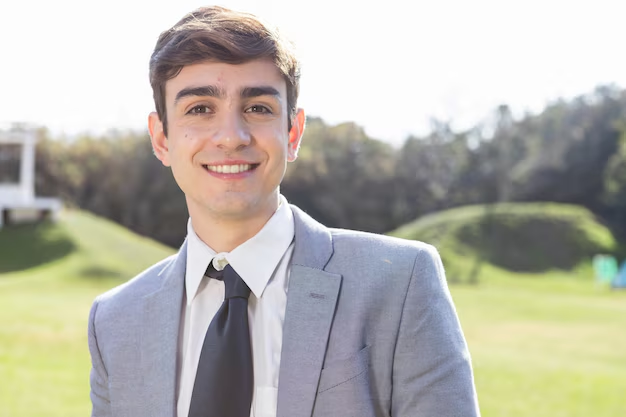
pixel 229 169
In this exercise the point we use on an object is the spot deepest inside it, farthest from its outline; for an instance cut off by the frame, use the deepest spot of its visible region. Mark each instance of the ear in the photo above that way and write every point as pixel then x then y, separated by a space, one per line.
pixel 295 135
pixel 158 139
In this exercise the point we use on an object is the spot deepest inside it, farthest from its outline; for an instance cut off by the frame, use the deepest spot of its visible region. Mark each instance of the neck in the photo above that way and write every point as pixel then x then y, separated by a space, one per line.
pixel 223 233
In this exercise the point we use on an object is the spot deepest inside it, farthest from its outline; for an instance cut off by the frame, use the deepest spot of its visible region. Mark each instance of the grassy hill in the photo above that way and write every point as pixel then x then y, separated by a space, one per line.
pixel 88 246
pixel 545 339
pixel 49 275
pixel 553 346
pixel 528 239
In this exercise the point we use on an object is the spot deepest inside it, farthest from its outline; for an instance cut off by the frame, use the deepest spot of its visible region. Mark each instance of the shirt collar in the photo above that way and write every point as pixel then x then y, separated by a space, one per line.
pixel 255 260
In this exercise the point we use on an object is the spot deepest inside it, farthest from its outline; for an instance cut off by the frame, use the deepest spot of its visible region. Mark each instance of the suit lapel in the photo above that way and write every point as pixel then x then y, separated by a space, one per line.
pixel 312 298
pixel 159 337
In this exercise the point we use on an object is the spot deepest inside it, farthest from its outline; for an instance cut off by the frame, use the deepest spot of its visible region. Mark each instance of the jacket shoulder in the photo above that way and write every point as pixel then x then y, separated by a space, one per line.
pixel 142 284
pixel 380 252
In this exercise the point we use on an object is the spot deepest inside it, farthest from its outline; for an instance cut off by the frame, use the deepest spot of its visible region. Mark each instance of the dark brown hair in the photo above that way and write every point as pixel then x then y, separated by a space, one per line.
pixel 220 35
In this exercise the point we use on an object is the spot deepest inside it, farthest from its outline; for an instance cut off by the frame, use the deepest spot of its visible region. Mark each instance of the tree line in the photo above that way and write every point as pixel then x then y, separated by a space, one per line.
pixel 574 151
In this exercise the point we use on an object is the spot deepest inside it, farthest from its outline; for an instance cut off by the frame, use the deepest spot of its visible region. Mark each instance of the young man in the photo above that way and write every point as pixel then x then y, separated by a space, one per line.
pixel 263 311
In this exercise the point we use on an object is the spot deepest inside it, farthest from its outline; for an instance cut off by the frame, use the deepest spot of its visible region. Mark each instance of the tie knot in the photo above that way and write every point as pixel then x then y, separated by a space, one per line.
pixel 234 286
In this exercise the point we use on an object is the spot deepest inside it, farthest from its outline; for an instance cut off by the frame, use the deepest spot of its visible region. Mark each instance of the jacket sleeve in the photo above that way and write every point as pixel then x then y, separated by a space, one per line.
pixel 432 372
pixel 101 405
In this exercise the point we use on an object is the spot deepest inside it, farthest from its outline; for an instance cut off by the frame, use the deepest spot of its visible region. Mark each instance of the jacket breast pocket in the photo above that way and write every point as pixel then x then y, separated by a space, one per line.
pixel 344 388
pixel 340 372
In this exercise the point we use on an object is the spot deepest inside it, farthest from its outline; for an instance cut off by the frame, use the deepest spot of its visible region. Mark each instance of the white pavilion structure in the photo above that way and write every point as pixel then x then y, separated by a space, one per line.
pixel 18 203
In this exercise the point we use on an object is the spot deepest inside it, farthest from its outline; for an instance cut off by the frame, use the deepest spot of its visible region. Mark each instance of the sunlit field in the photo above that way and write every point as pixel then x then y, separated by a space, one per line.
pixel 44 360
pixel 542 345
pixel 546 346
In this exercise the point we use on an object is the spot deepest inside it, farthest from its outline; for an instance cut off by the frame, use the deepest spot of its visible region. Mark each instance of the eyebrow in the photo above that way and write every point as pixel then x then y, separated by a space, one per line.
pixel 204 91
pixel 250 92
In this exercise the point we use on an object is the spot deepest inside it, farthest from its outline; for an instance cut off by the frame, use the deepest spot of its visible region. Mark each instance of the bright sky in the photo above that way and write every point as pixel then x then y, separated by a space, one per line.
pixel 388 65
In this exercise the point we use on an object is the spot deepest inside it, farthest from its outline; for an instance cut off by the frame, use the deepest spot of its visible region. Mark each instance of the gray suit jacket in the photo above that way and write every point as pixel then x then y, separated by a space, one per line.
pixel 370 330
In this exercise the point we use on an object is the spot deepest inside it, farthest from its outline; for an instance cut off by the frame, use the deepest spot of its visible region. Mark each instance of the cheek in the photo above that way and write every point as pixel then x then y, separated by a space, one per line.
pixel 198 131
pixel 192 137
pixel 277 140
pixel 187 144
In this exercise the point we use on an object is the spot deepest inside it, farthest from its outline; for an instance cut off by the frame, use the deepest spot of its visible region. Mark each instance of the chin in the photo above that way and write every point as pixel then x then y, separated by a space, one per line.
pixel 234 208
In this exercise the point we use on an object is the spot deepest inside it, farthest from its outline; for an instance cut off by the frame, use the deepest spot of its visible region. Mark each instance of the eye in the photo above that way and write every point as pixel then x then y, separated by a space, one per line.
pixel 199 109
pixel 257 108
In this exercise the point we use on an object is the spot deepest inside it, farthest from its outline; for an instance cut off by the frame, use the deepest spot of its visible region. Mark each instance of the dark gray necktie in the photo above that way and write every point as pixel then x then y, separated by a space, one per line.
pixel 225 378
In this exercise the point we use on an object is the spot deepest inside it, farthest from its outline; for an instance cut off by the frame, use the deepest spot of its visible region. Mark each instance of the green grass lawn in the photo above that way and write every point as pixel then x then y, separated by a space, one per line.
pixel 542 345
pixel 546 346
pixel 44 361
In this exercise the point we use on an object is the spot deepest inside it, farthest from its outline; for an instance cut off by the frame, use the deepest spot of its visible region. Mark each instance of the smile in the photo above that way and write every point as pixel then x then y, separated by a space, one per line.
pixel 230 169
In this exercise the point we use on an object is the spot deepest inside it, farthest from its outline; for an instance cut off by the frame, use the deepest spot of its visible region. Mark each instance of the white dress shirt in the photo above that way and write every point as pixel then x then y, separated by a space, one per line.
pixel 263 263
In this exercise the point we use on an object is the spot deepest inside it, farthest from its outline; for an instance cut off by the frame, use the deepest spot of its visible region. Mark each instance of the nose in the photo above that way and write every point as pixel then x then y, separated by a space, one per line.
pixel 233 133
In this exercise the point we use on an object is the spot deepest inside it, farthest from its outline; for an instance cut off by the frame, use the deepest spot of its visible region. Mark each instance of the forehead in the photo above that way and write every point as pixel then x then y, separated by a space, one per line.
pixel 230 78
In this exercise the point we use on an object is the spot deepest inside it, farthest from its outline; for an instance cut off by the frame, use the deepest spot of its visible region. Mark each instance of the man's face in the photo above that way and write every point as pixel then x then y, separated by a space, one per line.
pixel 228 143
